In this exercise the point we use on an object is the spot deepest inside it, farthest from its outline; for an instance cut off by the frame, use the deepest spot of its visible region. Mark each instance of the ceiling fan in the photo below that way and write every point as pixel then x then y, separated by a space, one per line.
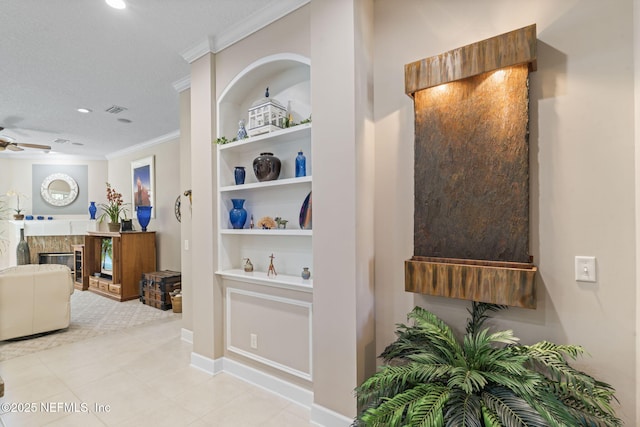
pixel 10 143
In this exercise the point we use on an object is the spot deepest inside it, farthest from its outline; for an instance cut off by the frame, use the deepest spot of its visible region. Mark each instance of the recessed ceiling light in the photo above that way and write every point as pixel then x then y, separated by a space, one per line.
pixel 116 4
pixel 84 110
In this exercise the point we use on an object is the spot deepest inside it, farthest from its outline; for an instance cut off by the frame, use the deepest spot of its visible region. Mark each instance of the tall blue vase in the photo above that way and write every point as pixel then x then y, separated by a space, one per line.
pixel 238 214
pixel 92 210
pixel 301 165
pixel 144 216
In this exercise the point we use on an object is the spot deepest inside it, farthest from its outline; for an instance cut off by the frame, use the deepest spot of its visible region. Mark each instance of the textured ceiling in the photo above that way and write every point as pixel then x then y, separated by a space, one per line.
pixel 60 55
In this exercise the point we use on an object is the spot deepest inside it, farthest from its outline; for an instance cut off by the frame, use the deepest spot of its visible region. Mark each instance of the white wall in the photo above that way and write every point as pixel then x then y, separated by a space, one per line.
pixel 582 170
pixel 15 174
pixel 167 188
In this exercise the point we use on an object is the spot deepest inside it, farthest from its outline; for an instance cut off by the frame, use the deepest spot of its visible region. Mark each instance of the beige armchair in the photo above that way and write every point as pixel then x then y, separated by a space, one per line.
pixel 33 299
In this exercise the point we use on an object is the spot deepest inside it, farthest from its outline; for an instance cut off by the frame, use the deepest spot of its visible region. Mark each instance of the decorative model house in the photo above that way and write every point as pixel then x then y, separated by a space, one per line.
pixel 266 115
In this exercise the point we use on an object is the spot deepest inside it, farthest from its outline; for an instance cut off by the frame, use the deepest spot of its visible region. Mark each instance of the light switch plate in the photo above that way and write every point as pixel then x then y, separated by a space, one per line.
pixel 585 269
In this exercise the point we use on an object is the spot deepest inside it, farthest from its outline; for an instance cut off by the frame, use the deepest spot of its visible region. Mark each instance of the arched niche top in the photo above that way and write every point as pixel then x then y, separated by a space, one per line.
pixel 59 189
pixel 288 77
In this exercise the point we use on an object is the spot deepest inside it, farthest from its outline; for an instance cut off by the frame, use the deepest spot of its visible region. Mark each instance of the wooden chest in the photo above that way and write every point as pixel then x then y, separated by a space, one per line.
pixel 156 288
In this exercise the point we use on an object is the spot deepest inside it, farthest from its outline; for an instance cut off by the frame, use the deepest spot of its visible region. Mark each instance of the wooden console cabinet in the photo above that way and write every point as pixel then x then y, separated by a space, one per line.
pixel 134 253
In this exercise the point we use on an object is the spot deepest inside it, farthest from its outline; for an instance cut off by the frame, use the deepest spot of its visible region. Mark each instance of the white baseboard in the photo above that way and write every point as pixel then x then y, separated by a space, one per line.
pixel 186 335
pixel 206 364
pixel 291 392
pixel 319 415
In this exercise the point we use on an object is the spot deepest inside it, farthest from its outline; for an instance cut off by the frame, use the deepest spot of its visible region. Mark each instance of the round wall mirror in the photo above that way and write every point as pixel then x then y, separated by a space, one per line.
pixel 59 189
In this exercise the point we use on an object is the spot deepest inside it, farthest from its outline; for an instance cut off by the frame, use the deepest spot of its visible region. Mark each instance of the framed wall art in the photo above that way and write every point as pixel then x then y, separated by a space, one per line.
pixel 143 183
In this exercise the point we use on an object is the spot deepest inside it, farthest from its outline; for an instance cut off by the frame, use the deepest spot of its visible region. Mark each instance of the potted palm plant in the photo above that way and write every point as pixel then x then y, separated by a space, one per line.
pixel 113 209
pixel 486 379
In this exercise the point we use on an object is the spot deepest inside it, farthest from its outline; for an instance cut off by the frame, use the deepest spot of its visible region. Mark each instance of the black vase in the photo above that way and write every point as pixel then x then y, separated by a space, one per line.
pixel 266 167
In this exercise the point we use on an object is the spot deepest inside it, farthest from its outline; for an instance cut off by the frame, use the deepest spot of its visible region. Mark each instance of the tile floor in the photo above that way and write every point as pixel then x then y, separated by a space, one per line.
pixel 137 377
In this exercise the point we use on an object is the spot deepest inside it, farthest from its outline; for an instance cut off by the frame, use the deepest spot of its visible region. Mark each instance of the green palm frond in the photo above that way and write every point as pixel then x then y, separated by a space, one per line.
pixel 427 332
pixel 463 410
pixel 512 411
pixel 478 316
pixel 490 418
pixel 419 406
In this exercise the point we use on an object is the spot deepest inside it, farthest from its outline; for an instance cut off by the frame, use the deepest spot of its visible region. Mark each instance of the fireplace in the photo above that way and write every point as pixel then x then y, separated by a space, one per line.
pixel 63 258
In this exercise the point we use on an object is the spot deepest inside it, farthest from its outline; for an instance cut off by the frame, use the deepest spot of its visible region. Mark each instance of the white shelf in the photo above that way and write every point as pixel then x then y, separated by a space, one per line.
pixel 285 135
pixel 266 184
pixel 264 232
pixel 261 278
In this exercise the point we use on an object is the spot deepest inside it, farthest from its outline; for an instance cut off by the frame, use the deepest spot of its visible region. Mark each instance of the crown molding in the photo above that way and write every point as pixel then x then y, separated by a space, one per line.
pixel 143 145
pixel 199 50
pixel 250 25
pixel 182 84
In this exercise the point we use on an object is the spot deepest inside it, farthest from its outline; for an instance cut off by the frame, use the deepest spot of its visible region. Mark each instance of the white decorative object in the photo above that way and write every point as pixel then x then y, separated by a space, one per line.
pixel 266 115
pixel 59 189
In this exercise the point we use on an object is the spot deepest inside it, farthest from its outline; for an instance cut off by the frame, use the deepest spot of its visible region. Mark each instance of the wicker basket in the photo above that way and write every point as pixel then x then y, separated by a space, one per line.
pixel 176 303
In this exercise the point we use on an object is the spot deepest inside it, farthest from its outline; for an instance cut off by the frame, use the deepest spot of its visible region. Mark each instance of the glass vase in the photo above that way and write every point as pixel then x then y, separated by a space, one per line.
pixel 144 216
pixel 301 165
pixel 238 214
pixel 23 254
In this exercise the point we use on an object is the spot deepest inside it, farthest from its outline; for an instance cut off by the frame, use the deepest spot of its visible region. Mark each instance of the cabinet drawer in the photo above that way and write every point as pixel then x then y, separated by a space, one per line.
pixel 114 289
pixel 93 282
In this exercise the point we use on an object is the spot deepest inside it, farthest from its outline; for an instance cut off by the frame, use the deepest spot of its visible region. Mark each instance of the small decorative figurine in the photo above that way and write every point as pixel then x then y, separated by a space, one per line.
pixel 248 267
pixel 251 225
pixel 272 269
pixel 242 131
pixel 281 223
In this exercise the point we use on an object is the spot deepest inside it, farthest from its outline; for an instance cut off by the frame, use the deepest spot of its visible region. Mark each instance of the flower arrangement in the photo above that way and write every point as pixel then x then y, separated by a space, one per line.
pixel 12 193
pixel 114 207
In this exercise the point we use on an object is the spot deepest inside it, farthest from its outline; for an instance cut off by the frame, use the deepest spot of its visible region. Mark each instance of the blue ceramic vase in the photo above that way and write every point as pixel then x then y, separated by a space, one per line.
pixel 239 174
pixel 92 210
pixel 144 216
pixel 238 214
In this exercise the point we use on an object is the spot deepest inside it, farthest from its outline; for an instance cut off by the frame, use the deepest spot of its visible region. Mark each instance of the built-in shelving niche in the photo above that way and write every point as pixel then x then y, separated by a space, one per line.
pixel 275 309
pixel 471 229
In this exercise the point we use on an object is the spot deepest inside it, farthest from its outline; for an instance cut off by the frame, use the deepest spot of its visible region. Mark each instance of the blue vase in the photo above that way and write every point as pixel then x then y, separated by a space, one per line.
pixel 144 216
pixel 92 210
pixel 301 165
pixel 239 174
pixel 238 215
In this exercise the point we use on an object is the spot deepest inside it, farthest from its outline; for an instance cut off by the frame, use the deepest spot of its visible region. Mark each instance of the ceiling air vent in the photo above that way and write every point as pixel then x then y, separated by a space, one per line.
pixel 115 109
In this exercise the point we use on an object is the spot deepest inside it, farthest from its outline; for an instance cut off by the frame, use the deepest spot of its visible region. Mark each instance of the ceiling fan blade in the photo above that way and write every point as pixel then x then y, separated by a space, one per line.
pixel 14 147
pixel 37 146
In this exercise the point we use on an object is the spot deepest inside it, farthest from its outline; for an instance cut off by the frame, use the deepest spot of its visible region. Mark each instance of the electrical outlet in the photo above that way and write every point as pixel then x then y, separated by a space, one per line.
pixel 254 341
pixel 585 267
